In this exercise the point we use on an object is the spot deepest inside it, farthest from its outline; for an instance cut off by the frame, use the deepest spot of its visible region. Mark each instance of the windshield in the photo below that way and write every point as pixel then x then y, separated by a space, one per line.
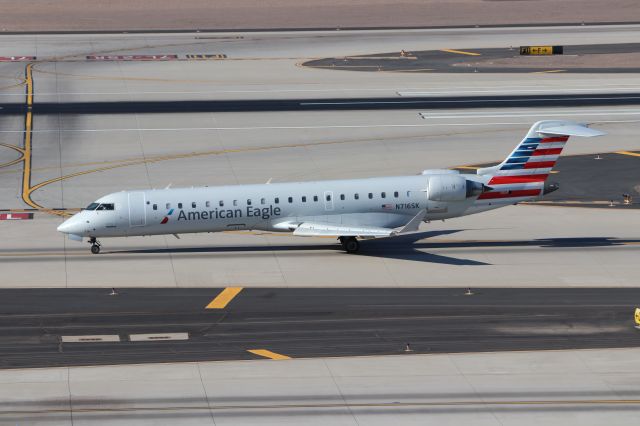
pixel 92 206
pixel 105 206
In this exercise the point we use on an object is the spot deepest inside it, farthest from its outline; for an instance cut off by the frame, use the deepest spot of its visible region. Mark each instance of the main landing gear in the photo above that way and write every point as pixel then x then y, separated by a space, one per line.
pixel 350 244
pixel 95 245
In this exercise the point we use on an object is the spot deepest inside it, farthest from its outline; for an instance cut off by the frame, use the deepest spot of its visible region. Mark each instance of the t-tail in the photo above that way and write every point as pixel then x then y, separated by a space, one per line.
pixel 523 174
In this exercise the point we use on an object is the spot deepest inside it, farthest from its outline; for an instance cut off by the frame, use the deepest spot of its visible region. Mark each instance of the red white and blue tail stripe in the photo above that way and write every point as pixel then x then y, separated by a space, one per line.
pixel 522 175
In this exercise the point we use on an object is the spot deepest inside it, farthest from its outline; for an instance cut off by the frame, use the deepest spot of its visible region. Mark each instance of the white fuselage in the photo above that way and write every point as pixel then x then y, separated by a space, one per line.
pixel 386 202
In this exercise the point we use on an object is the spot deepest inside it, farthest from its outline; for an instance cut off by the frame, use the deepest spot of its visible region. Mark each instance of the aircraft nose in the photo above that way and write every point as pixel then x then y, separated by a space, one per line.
pixel 69 226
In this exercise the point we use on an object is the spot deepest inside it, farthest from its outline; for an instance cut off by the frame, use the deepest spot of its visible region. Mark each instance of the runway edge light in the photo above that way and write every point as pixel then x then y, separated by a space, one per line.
pixel 636 316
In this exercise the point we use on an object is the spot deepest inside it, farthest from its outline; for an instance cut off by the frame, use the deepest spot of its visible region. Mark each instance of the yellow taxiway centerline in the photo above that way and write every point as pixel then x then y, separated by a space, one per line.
pixel 267 354
pixel 460 52
pixel 223 299
pixel 633 154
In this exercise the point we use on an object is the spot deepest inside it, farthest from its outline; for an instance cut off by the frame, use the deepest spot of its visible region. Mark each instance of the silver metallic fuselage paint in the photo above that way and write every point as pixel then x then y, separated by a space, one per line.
pixel 134 213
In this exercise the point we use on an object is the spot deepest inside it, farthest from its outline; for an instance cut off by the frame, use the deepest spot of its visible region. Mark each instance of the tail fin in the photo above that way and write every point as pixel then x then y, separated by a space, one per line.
pixel 524 172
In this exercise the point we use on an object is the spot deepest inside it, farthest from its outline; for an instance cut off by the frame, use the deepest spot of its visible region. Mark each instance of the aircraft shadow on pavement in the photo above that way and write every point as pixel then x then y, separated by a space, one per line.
pixel 413 247
pixel 402 247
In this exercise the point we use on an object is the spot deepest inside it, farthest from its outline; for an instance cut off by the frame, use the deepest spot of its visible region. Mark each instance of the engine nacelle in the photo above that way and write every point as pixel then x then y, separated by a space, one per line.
pixel 452 188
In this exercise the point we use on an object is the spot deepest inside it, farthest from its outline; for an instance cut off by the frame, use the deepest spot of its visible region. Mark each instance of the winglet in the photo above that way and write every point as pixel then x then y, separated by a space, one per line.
pixel 414 224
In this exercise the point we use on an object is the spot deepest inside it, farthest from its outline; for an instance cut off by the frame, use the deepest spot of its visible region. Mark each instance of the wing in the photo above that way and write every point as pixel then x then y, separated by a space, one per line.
pixel 310 229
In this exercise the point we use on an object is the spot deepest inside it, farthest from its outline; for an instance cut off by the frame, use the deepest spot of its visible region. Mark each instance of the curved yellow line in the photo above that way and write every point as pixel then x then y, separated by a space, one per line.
pixel 17 160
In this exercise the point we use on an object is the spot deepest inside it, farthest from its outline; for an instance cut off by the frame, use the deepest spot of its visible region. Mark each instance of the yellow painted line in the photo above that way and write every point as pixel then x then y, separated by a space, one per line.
pixel 223 299
pixel 460 52
pixel 633 154
pixel 267 354
pixel 547 71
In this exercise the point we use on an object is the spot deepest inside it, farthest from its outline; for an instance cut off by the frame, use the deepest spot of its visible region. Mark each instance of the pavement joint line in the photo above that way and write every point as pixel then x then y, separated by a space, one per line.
pixel 460 52
pixel 268 354
pixel 394 404
pixel 224 298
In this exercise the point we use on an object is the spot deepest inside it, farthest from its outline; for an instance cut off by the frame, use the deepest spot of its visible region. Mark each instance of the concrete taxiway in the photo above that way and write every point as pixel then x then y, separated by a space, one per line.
pixel 589 387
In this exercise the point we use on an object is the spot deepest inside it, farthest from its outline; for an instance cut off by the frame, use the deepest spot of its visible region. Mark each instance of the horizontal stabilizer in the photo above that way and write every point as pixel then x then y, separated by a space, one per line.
pixel 570 129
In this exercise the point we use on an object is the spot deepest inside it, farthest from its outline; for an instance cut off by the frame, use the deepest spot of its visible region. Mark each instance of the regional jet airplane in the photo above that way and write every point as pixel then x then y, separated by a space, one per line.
pixel 350 210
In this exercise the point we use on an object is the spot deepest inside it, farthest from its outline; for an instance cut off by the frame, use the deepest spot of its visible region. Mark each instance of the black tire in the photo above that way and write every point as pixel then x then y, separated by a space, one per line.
pixel 95 249
pixel 351 245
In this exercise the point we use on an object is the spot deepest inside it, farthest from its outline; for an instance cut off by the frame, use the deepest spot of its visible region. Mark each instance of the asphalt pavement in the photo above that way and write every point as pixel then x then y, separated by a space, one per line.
pixel 64 327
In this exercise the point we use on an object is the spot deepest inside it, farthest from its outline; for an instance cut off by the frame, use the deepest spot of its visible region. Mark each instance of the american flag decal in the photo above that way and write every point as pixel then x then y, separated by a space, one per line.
pixel 387 206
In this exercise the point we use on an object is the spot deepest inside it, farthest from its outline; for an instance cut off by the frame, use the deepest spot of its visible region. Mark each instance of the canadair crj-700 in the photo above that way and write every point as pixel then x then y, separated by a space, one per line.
pixel 350 210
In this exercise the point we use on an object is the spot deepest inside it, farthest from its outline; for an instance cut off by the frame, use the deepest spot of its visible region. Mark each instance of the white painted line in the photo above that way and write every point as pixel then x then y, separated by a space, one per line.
pixel 551 91
pixel 154 337
pixel 96 338
pixel 428 115
pixel 367 126
pixel 474 101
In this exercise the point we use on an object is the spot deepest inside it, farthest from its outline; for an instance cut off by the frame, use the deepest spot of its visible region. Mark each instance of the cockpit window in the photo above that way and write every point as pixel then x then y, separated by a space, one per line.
pixel 92 206
pixel 105 206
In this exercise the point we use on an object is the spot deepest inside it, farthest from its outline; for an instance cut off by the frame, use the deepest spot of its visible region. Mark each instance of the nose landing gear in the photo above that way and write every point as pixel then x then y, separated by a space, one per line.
pixel 350 244
pixel 95 245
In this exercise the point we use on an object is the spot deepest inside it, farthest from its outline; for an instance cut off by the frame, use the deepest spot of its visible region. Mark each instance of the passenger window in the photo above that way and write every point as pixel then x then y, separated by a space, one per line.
pixel 315 198
pixel 193 205
pixel 263 201
pixel 291 199
pixel 356 196
pixel 304 198
pixel 155 207
pixel 207 204
pixel 395 194
pixel 235 202
pixel 168 206
pixel 248 202
pixel 370 195
pixel 221 203
pixel 328 197
pixel 383 194
pixel 276 200
pixel 179 205
pixel 408 193
pixel 342 197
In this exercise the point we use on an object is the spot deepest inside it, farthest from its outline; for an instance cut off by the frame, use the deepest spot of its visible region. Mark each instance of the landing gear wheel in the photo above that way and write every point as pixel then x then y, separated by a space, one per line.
pixel 350 244
pixel 95 245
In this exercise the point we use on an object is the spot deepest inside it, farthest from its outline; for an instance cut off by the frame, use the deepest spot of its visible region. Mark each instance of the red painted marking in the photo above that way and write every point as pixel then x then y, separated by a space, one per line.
pixel 165 220
pixel 550 151
pixel 499 180
pixel 510 194
pixel 539 164
pixel 555 139
pixel 16 58
pixel 16 216
pixel 132 57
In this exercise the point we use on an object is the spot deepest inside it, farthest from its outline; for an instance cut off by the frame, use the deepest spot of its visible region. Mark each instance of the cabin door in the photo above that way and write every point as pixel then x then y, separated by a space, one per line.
pixel 137 209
